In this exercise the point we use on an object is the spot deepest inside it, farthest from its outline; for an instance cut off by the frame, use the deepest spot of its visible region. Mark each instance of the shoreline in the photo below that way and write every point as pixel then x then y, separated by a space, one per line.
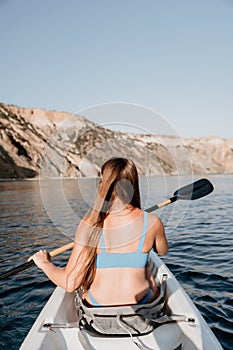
pixel 96 177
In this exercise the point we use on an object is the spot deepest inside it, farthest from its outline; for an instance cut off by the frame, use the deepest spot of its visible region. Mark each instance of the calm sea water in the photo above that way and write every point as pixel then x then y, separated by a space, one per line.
pixel 37 215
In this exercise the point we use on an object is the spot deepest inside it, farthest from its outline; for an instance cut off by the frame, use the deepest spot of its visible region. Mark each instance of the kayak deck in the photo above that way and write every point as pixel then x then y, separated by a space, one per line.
pixel 173 336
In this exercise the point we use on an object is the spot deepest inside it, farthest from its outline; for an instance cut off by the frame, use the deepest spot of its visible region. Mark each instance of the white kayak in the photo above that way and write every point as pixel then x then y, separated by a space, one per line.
pixel 171 336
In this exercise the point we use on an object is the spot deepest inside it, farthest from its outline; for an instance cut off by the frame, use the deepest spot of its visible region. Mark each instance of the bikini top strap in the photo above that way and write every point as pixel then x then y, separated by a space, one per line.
pixel 142 239
pixel 144 230
pixel 102 244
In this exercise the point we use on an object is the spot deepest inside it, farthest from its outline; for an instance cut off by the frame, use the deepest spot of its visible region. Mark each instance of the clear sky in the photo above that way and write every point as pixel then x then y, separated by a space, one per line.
pixel 172 56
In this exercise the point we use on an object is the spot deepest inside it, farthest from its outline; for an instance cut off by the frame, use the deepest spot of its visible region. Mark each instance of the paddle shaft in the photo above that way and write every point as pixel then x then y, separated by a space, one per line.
pixel 162 204
pixel 28 264
pixel 198 189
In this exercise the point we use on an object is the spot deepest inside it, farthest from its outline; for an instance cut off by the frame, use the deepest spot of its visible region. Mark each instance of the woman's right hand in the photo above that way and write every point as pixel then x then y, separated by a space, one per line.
pixel 41 258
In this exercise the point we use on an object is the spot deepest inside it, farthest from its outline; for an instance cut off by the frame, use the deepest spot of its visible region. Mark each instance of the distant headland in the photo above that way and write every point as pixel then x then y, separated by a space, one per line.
pixel 41 143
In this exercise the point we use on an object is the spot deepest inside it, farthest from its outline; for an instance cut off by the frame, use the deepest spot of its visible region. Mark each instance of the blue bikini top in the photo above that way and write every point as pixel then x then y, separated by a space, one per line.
pixel 131 259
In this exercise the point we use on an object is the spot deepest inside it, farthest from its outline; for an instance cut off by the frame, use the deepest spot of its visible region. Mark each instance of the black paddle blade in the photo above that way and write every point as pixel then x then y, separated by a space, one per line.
pixel 197 189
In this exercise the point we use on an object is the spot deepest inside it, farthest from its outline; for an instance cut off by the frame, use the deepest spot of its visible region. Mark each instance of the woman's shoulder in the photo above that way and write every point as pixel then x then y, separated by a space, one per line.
pixel 85 220
pixel 84 223
pixel 152 217
pixel 154 221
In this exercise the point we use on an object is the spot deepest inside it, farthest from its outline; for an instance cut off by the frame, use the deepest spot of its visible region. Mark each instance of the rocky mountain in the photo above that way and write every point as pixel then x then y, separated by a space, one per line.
pixel 36 142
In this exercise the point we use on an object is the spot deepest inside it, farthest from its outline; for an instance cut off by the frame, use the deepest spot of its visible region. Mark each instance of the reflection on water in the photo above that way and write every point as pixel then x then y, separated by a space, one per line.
pixel 37 215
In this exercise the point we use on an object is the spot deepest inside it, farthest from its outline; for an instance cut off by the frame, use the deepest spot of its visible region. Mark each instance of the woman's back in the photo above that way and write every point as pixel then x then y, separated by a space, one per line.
pixel 126 239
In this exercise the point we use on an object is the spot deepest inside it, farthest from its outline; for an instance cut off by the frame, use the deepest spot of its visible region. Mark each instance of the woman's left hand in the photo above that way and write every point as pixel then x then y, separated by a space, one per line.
pixel 40 258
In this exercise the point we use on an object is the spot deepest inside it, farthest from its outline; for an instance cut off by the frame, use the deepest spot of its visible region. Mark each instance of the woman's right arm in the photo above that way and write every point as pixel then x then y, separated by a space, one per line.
pixel 160 241
pixel 67 277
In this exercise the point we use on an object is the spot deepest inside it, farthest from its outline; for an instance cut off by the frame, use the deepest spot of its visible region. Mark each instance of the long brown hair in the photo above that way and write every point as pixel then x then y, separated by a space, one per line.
pixel 119 178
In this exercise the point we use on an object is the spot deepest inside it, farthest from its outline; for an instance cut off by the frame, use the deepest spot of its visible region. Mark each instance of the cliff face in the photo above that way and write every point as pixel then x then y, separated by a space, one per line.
pixel 36 142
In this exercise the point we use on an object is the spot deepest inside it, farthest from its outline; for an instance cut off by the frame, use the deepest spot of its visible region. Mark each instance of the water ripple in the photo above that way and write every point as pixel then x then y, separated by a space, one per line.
pixel 200 256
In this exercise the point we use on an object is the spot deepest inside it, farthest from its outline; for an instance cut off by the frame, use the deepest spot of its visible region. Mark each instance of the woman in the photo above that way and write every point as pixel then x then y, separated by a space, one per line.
pixel 110 254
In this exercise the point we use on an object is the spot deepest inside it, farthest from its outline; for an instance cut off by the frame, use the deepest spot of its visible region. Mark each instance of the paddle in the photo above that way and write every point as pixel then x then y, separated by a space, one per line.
pixel 195 190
